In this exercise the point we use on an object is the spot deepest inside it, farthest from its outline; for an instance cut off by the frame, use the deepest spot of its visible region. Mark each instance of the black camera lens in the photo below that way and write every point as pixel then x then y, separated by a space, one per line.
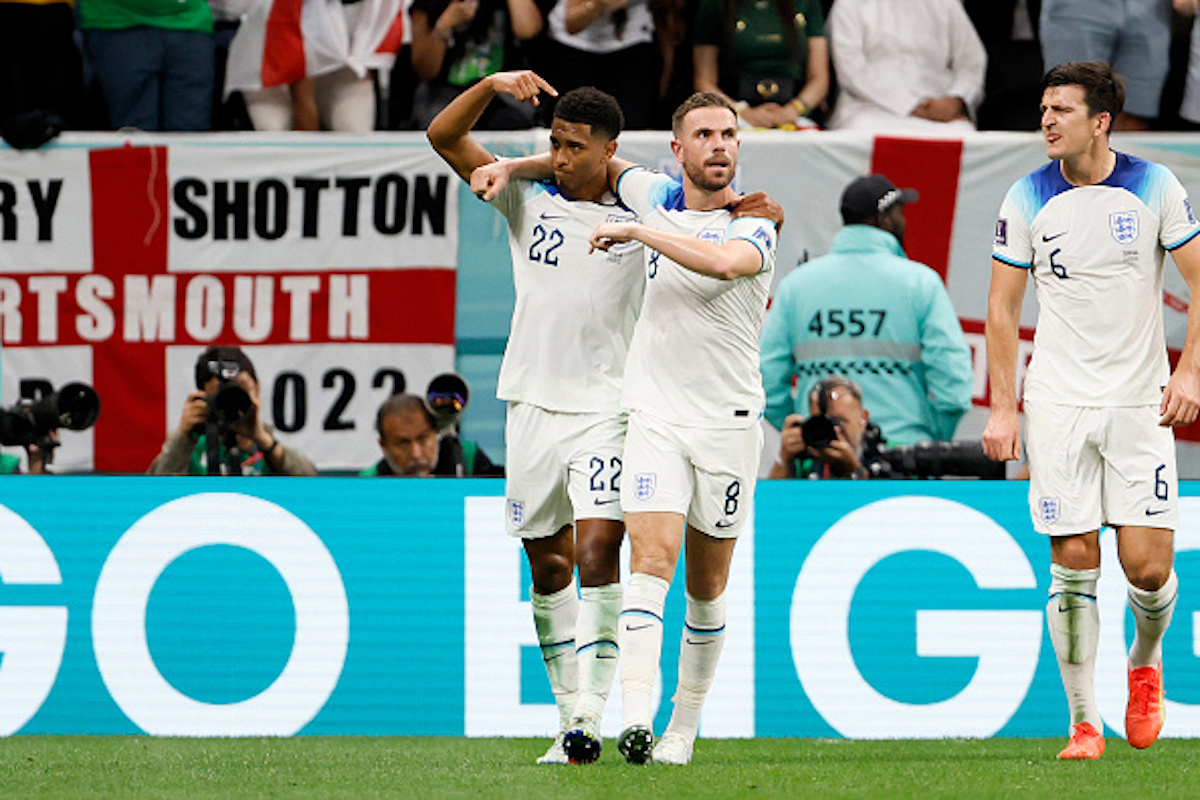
pixel 231 403
pixel 819 430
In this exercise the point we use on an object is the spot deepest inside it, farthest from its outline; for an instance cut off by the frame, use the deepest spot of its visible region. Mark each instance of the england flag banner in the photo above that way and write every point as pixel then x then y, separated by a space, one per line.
pixel 331 262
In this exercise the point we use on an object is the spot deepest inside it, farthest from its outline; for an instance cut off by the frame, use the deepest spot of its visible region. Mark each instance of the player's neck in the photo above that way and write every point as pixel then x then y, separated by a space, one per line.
pixel 592 191
pixel 1090 168
pixel 700 199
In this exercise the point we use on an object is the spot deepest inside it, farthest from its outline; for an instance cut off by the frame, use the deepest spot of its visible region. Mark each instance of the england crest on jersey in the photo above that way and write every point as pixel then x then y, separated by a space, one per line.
pixel 1123 225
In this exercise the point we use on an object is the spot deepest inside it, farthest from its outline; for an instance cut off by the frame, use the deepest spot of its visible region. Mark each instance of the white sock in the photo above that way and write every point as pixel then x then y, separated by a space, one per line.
pixel 640 638
pixel 1152 614
pixel 699 651
pixel 596 646
pixel 554 617
pixel 1074 622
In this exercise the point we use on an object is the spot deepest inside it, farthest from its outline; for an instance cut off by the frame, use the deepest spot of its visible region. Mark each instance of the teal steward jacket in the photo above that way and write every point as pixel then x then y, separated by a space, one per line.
pixel 866 312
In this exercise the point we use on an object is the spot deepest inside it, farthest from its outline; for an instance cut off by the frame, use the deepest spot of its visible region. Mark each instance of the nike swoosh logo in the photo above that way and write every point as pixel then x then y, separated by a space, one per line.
pixel 1150 513
pixel 699 641
pixel 639 627
pixel 600 502
pixel 1046 238
pixel 545 215
pixel 724 524
pixel 601 655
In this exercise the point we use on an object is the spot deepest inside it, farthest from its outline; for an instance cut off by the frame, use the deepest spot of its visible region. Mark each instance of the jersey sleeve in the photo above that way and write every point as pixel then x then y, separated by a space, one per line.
pixel 1179 224
pixel 759 232
pixel 509 201
pixel 643 190
pixel 1013 244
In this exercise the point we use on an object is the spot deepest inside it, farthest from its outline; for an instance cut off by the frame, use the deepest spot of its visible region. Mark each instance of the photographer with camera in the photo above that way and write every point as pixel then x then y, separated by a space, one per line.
pixel 837 440
pixel 34 420
pixel 221 431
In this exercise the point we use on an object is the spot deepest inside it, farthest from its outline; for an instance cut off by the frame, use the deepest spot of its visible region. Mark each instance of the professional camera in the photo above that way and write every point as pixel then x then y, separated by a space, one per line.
pixel 447 397
pixel 819 430
pixel 231 403
pixel 937 459
pixel 75 406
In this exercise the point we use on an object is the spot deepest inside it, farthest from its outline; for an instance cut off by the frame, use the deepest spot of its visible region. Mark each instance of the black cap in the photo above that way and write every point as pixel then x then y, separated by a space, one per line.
pixel 870 195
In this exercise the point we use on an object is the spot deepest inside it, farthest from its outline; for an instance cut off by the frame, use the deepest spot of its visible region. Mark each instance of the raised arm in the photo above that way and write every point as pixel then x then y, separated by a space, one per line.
pixel 1181 398
pixel 1002 436
pixel 450 131
pixel 735 258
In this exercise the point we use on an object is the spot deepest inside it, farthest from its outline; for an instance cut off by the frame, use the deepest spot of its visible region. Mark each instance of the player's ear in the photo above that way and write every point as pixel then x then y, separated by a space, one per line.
pixel 610 149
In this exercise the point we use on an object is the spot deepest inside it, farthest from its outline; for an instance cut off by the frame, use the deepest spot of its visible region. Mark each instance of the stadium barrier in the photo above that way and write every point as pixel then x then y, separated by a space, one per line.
pixel 218 607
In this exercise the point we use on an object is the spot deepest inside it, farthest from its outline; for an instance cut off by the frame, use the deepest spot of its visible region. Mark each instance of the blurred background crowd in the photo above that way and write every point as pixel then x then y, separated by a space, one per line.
pixel 361 65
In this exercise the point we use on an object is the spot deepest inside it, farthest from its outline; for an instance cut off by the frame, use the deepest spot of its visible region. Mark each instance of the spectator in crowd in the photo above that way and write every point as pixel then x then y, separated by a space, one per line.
pixel 606 44
pixel 412 447
pixel 674 24
pixel 40 66
pixel 867 311
pixel 771 60
pixel 221 430
pixel 153 60
pixel 1012 90
pixel 1189 108
pixel 458 42
pixel 916 65
pixel 843 449
pixel 312 66
pixel 1134 37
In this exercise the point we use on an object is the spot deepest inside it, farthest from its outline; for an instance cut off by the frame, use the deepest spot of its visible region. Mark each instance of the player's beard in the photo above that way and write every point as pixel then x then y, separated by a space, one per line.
pixel 698 175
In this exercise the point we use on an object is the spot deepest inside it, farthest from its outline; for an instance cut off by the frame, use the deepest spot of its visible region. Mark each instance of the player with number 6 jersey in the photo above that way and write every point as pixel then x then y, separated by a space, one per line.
pixel 1092 227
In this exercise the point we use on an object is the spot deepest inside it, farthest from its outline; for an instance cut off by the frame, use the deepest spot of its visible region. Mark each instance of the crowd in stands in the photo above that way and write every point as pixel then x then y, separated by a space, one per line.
pixel 358 65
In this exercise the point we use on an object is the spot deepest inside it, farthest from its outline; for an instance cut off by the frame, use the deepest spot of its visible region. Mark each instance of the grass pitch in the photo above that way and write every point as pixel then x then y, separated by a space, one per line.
pixel 435 767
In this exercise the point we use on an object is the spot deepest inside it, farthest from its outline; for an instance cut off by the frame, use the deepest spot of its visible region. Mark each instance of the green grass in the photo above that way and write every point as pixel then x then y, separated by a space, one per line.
pixel 133 766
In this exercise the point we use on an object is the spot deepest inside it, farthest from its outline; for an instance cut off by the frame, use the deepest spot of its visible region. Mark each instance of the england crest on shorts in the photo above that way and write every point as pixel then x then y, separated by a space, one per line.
pixel 1123 225
pixel 645 484
pixel 516 512
pixel 1049 509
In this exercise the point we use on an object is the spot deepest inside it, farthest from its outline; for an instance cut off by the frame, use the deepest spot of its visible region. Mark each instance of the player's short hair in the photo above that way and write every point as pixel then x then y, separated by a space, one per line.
pixel 1102 89
pixel 588 105
pixel 399 404
pixel 698 100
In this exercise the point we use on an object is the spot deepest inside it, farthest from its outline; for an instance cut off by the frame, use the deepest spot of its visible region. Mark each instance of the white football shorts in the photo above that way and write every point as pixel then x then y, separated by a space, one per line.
pixel 1099 466
pixel 560 467
pixel 706 474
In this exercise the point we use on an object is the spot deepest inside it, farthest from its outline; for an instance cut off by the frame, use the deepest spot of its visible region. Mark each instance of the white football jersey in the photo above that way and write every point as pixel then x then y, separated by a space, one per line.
pixel 694 356
pixel 575 310
pixel 1096 253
